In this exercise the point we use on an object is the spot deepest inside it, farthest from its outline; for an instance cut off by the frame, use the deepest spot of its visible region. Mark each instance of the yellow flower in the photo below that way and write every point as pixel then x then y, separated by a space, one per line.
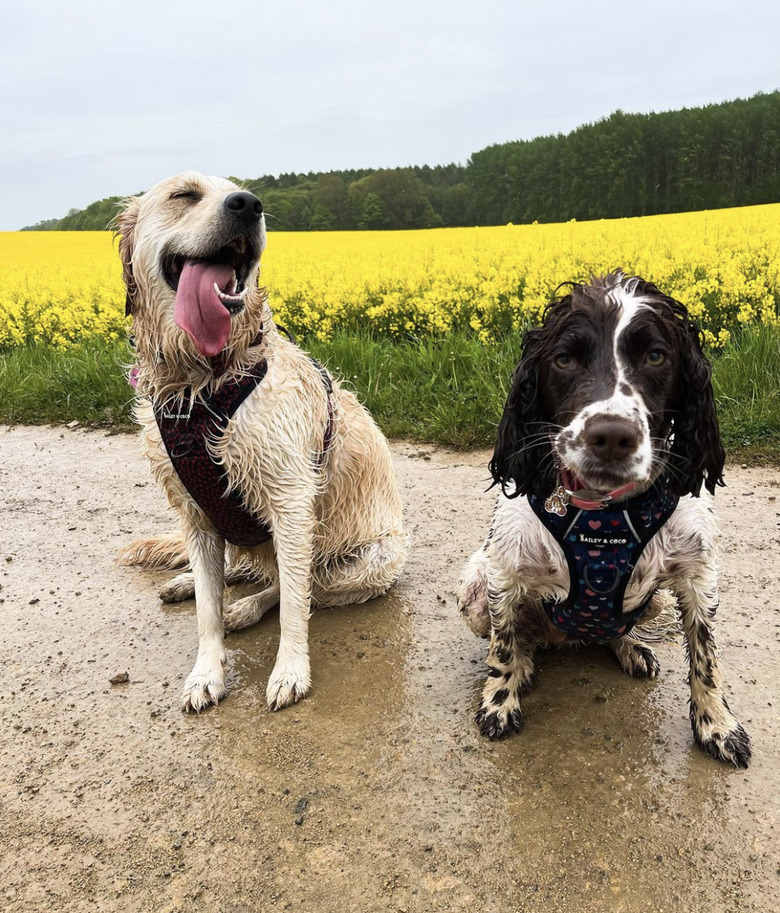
pixel 61 288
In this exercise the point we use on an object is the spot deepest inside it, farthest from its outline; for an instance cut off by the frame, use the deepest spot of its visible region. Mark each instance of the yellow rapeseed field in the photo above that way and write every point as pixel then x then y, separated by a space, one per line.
pixel 60 288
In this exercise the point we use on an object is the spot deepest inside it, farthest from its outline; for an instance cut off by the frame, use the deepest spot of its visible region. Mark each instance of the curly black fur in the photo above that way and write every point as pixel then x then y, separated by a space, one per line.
pixel 523 461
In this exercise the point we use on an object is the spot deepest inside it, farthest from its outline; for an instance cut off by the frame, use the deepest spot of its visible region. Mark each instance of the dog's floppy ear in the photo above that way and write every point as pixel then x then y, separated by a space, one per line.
pixel 522 457
pixel 697 449
pixel 125 224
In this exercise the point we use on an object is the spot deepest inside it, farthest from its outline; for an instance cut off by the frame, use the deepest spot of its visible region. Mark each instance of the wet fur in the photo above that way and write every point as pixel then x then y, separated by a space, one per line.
pixel 337 529
pixel 608 327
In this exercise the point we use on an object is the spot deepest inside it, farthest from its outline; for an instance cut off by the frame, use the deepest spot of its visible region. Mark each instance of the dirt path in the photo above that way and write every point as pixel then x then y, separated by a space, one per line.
pixel 376 794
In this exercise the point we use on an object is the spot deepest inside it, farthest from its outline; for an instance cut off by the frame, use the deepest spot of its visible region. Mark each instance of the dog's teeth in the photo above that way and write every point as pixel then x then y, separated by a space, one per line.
pixel 225 296
pixel 231 299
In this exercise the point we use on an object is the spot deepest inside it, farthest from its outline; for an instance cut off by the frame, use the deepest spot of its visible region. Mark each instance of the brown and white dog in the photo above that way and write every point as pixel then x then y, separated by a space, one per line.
pixel 300 456
pixel 612 395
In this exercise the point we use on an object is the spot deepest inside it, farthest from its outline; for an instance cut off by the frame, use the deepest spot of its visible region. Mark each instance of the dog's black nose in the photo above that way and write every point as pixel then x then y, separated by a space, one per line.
pixel 245 205
pixel 610 438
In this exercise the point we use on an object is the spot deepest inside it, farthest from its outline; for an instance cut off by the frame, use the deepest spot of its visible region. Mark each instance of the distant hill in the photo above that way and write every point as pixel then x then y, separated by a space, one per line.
pixel 96 217
pixel 624 165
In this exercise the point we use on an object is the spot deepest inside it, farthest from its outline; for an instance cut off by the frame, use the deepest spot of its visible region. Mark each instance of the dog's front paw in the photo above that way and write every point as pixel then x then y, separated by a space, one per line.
pixel 731 747
pixel 499 722
pixel 205 686
pixel 289 682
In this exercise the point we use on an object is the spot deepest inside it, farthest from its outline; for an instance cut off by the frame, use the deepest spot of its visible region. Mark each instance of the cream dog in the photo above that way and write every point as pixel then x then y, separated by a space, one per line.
pixel 268 462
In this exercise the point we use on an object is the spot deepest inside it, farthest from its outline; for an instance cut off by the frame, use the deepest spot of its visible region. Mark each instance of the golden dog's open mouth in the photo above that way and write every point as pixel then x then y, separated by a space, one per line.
pixel 209 290
pixel 240 254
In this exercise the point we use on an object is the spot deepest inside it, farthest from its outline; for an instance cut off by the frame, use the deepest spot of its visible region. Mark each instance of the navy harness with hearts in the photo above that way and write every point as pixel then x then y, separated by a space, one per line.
pixel 602 548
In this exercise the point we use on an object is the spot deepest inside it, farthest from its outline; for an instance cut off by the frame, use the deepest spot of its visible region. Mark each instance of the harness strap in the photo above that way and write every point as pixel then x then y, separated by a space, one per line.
pixel 327 382
pixel 190 432
pixel 187 434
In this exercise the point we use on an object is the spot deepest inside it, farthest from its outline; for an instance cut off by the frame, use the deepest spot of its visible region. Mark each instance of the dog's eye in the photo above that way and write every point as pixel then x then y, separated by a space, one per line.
pixel 655 358
pixel 563 361
pixel 190 196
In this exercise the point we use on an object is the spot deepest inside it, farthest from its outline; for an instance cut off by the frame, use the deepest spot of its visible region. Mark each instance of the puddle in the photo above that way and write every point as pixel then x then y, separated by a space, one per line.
pixel 376 793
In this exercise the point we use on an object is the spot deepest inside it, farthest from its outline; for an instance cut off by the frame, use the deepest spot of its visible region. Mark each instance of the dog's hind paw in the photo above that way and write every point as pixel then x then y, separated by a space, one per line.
pixel 730 747
pixel 499 723
pixel 202 689
pixel 288 684
pixel 178 588
pixel 473 603
pixel 636 659
pixel 249 610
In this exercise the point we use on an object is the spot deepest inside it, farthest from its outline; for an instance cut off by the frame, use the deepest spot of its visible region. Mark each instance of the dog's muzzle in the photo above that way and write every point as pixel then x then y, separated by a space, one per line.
pixel 244 206
pixel 210 288
pixel 610 440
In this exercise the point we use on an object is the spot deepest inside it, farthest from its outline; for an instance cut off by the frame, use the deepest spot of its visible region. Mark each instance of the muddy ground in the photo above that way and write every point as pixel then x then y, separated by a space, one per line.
pixel 376 793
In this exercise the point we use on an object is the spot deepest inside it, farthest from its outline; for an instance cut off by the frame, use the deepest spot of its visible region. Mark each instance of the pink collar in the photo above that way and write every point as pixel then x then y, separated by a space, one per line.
pixel 590 500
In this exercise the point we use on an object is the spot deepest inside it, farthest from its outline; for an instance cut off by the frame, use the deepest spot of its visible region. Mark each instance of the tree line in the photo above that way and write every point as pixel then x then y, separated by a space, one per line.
pixel 635 165
pixel 709 157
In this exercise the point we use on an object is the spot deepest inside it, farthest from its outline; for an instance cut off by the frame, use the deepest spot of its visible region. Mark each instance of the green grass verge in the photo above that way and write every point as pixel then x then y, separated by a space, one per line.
pixel 40 385
pixel 447 391
pixel 746 380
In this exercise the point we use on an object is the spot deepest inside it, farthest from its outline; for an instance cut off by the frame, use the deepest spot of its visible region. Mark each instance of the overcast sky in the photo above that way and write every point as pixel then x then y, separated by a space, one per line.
pixel 100 98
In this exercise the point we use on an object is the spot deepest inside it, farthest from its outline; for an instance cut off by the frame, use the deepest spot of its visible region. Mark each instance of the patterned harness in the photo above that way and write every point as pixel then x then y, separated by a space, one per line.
pixel 188 434
pixel 602 548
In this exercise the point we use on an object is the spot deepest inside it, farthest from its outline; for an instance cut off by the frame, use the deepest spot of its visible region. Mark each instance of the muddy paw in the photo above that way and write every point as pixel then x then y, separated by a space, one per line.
pixel 235 617
pixel 202 689
pixel 499 723
pixel 287 685
pixel 637 660
pixel 731 747
pixel 180 588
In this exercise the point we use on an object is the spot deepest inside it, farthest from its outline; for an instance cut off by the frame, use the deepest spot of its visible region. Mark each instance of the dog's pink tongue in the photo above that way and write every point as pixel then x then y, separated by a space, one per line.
pixel 198 309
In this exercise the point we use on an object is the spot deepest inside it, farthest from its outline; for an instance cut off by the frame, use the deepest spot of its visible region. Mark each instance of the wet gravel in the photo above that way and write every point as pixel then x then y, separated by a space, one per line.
pixel 376 793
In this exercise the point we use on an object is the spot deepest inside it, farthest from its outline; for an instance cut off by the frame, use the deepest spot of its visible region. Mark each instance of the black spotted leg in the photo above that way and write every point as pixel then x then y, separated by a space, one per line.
pixel 510 664
pixel 715 728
